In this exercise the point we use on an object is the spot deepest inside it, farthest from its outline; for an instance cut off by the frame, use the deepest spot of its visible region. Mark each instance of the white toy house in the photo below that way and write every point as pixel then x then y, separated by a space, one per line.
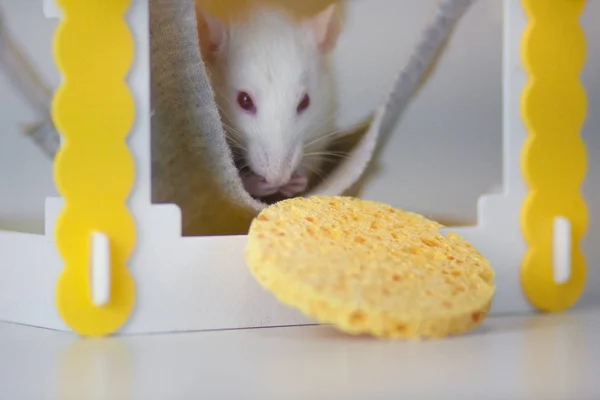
pixel 111 261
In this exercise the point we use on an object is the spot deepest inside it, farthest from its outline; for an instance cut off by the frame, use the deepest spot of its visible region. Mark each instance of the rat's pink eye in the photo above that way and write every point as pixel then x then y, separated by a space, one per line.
pixel 304 103
pixel 245 101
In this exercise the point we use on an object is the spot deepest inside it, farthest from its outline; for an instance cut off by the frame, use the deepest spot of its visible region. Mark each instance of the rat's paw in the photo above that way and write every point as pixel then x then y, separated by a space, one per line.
pixel 256 185
pixel 298 184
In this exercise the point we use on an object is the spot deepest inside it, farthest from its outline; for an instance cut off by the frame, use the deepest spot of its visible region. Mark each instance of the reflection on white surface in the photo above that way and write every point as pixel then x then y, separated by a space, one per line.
pixel 95 370
pixel 541 357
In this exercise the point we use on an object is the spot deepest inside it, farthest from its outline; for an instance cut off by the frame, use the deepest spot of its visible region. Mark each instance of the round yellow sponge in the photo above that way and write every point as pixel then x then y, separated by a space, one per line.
pixel 369 268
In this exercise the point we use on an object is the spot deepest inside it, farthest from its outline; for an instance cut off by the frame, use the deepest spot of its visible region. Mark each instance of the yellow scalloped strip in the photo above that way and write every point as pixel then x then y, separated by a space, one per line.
pixel 554 161
pixel 94 170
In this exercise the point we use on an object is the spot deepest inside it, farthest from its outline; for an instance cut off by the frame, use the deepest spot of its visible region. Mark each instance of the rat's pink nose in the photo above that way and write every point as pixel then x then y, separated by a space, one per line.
pixel 276 170
pixel 278 174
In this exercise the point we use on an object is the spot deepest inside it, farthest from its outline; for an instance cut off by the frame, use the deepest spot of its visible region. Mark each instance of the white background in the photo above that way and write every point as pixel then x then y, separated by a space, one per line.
pixel 446 149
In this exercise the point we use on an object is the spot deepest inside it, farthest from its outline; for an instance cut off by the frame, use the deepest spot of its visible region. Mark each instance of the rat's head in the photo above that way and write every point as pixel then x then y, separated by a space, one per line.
pixel 272 85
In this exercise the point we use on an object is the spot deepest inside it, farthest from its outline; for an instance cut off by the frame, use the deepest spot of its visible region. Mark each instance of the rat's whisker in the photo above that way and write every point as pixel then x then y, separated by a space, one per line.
pixel 225 122
pixel 243 171
pixel 316 126
pixel 329 157
pixel 327 136
pixel 332 157
pixel 327 153
pixel 313 170
pixel 223 112
pixel 221 94
pixel 232 131
pixel 233 134
pixel 235 145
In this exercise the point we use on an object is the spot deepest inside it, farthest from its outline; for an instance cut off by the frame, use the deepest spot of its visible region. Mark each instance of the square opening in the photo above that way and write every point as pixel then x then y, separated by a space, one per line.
pixel 28 77
pixel 445 150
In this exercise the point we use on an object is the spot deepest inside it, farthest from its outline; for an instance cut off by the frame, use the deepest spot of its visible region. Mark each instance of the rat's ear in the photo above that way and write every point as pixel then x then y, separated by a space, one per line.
pixel 326 27
pixel 211 32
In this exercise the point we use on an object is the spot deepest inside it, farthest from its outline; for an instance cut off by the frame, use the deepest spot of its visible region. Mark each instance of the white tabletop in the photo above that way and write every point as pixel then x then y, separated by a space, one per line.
pixel 539 357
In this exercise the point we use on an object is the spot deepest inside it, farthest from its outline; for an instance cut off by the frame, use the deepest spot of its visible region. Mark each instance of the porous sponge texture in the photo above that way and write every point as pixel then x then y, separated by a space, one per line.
pixel 368 268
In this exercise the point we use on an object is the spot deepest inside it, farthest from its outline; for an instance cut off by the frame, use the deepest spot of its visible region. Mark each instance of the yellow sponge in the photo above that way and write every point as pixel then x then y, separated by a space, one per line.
pixel 369 268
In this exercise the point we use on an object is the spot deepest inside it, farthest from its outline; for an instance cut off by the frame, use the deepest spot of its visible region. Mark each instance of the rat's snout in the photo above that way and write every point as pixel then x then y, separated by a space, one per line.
pixel 283 168
pixel 276 167
pixel 278 172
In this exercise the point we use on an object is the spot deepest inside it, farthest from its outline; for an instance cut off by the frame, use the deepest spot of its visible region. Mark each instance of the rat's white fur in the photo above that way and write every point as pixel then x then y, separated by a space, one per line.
pixel 276 59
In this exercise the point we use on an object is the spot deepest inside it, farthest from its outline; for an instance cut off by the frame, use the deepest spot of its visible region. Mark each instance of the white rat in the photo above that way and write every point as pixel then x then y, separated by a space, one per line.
pixel 274 88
